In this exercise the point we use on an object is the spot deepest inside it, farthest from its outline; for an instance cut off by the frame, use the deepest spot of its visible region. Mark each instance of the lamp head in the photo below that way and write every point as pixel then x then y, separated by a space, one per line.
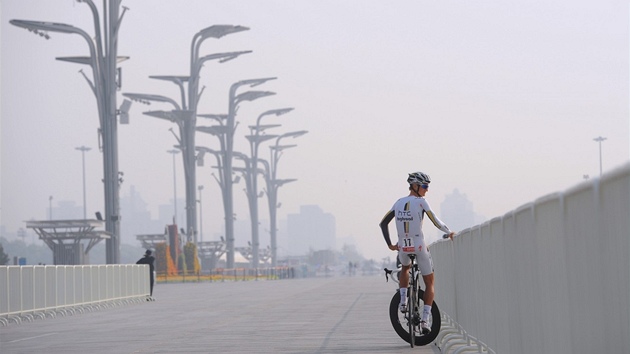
pixel 218 31
pixel 279 111
pixel 252 95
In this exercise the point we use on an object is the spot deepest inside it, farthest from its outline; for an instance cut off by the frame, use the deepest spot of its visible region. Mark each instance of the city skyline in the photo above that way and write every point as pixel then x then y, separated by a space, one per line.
pixel 138 215
pixel 499 100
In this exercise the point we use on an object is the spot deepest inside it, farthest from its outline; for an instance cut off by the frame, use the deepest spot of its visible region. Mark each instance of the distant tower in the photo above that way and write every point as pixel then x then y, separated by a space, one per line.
pixel 311 229
pixel 457 211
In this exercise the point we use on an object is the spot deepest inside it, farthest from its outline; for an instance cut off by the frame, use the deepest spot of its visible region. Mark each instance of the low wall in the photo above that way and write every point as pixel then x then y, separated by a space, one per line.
pixel 552 276
pixel 31 291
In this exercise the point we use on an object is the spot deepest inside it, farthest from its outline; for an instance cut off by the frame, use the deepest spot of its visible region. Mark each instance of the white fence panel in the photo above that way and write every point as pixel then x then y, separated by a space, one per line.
pixel 102 283
pixel 79 296
pixel 95 278
pixel 4 289
pixel 51 287
pixel 15 292
pixel 70 285
pixel 29 290
pixel 614 237
pixel 552 271
pixel 60 286
pixel 552 276
pixel 39 287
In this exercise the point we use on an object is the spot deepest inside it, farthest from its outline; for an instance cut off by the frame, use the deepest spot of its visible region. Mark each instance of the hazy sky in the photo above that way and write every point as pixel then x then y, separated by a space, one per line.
pixel 500 99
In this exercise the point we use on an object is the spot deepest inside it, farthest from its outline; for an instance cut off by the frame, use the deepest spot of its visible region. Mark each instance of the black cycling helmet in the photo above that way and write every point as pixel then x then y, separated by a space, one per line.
pixel 418 178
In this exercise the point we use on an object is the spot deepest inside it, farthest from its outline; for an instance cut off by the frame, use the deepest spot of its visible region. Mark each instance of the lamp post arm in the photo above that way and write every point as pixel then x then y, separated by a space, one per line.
pixel 89 82
pixel 194 48
pixel 95 63
pixel 218 180
pixel 234 130
pixel 144 98
pixel 266 166
pixel 200 93
pixel 177 81
pixel 176 137
pixel 120 21
pixel 172 101
pixel 97 27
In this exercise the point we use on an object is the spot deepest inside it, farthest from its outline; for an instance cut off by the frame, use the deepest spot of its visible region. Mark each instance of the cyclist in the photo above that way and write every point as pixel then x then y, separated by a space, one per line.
pixel 409 212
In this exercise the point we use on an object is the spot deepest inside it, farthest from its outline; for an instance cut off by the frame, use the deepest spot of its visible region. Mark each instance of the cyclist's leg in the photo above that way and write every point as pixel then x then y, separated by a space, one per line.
pixel 429 291
pixel 425 263
pixel 403 278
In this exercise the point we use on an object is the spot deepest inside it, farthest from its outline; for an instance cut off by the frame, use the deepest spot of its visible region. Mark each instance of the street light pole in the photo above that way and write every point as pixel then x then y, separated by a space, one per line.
pixel 202 150
pixel 200 188
pixel 103 60
pixel 187 129
pixel 185 114
pixel 50 207
pixel 83 149
pixel 599 139
pixel 255 139
pixel 272 189
pixel 174 152
pixel 234 100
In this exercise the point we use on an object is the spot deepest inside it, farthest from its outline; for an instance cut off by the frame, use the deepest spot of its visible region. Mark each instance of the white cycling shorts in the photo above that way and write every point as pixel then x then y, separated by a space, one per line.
pixel 423 257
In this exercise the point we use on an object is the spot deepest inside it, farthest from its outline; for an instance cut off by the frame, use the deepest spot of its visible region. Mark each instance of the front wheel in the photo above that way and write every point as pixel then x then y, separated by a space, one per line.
pixel 400 321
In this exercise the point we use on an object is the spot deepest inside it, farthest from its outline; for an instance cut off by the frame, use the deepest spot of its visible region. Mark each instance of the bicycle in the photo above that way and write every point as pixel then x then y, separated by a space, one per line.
pixel 408 323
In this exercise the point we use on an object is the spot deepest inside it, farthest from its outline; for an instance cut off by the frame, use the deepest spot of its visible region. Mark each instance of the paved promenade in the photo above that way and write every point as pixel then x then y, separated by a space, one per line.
pixel 317 315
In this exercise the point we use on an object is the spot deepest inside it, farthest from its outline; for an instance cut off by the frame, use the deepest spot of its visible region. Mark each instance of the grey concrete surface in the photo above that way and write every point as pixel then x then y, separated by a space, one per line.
pixel 316 315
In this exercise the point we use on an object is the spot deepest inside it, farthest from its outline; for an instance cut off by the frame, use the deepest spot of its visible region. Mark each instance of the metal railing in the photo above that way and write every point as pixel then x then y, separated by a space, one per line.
pixel 552 276
pixel 27 292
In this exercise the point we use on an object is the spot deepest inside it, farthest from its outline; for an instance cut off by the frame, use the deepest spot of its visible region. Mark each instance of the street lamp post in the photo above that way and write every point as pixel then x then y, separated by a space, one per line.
pixel 103 60
pixel 225 133
pixel 599 139
pixel 174 152
pixel 200 188
pixel 83 149
pixel 50 207
pixel 255 138
pixel 272 189
pixel 218 155
pixel 250 175
pixel 185 114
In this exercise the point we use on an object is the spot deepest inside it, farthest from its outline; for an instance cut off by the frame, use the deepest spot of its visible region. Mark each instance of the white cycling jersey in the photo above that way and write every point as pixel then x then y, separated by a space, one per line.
pixel 409 213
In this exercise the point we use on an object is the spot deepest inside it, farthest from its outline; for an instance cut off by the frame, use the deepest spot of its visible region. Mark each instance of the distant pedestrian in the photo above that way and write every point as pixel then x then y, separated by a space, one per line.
pixel 148 259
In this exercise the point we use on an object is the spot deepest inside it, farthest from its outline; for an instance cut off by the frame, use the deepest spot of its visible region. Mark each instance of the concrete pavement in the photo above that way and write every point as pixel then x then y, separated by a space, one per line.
pixel 313 315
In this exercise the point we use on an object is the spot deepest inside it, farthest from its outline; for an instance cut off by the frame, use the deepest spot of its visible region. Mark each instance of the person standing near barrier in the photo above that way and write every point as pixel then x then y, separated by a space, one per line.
pixel 409 212
pixel 150 260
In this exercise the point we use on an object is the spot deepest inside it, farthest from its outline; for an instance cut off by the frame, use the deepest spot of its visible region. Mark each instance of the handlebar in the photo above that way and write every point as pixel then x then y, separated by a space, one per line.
pixel 389 272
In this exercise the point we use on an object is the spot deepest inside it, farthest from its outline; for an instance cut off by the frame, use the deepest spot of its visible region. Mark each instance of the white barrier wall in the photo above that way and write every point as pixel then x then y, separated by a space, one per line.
pixel 552 276
pixel 27 291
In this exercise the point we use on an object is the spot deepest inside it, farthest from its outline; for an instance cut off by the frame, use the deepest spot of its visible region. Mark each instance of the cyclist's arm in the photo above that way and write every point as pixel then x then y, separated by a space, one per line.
pixel 434 219
pixel 385 226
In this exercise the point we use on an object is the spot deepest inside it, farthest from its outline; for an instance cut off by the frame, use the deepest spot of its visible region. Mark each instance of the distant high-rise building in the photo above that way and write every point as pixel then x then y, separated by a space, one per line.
pixel 457 212
pixel 136 218
pixel 310 229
